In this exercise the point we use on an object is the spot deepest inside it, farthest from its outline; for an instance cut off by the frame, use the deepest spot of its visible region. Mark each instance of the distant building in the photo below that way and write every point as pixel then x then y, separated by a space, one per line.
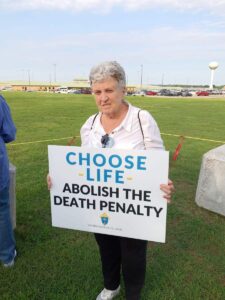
pixel 78 84
pixel 25 86
pixel 81 83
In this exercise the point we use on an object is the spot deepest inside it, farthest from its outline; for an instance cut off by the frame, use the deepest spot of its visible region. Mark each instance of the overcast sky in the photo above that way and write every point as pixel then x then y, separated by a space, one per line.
pixel 173 40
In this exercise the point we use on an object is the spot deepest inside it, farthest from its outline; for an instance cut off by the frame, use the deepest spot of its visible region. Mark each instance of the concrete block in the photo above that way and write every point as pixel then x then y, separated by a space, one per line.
pixel 12 193
pixel 210 192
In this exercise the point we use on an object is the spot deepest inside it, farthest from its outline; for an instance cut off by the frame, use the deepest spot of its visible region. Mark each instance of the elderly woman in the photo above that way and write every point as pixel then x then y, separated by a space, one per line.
pixel 122 126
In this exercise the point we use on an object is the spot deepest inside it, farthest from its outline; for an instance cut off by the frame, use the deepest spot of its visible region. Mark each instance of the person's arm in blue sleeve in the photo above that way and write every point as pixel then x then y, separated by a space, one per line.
pixel 7 127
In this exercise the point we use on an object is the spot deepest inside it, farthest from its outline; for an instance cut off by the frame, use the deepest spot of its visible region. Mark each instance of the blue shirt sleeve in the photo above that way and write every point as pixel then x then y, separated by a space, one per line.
pixel 7 127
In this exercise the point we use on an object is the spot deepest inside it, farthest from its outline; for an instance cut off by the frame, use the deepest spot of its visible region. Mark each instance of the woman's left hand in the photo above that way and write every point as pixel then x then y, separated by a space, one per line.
pixel 168 189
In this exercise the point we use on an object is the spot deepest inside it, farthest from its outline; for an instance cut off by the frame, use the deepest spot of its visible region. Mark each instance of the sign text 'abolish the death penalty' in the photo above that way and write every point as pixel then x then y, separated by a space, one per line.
pixel 109 191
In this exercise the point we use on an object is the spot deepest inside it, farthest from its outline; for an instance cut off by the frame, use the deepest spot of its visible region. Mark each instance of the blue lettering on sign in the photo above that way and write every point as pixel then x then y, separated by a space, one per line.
pixel 103 173
pixel 96 162
pixel 107 175
pixel 119 176
pixel 129 161
pixel 89 178
pixel 141 162
pixel 68 158
pixel 81 159
pixel 114 160
pixel 119 161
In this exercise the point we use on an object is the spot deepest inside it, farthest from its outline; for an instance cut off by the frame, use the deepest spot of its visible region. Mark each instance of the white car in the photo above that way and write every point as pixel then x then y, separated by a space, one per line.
pixel 62 90
pixel 139 93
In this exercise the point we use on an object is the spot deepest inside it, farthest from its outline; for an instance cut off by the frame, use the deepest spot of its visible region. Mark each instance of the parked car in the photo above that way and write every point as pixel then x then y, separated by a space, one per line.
pixel 151 93
pixel 176 93
pixel 186 94
pixel 5 88
pixel 165 92
pixel 215 92
pixel 139 93
pixel 62 90
pixel 129 93
pixel 86 91
pixel 72 91
pixel 202 93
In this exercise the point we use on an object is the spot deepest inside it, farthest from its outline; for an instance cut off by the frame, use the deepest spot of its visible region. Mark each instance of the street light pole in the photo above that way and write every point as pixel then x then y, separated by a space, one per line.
pixel 54 72
pixel 28 72
pixel 162 80
pixel 141 77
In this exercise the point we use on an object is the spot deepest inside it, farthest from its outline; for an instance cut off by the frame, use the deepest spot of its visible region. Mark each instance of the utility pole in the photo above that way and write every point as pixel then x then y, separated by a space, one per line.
pixel 141 77
pixel 162 80
pixel 28 72
pixel 54 72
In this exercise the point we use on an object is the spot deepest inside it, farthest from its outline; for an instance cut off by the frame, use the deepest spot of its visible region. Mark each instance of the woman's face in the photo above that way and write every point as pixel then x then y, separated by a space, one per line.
pixel 108 96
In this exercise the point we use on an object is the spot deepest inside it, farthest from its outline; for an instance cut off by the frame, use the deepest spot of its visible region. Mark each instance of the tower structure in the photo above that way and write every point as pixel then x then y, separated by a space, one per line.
pixel 213 66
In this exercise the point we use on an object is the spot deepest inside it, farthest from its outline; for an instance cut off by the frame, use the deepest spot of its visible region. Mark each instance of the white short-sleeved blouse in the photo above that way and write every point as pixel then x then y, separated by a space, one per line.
pixel 127 135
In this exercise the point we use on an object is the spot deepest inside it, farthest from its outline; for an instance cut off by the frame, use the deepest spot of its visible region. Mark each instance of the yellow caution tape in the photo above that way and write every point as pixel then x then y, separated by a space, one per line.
pixel 42 141
pixel 167 134
pixel 194 138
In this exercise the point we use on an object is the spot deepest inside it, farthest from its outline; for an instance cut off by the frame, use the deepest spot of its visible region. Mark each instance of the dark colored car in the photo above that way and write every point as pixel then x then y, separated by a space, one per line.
pixel 202 93
pixel 176 93
pixel 129 93
pixel 165 92
pixel 86 91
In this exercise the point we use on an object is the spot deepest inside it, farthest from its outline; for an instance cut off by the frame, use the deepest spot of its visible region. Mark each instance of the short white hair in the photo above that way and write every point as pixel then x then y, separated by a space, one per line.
pixel 106 70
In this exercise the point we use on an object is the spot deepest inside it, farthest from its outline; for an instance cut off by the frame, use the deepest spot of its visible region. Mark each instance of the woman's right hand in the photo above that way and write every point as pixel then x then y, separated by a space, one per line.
pixel 49 181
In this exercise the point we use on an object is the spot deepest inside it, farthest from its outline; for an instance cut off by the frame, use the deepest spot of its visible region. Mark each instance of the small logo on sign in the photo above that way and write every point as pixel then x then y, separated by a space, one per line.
pixel 104 218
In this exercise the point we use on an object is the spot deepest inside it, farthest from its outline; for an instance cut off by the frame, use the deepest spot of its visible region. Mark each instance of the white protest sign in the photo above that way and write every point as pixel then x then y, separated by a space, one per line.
pixel 109 191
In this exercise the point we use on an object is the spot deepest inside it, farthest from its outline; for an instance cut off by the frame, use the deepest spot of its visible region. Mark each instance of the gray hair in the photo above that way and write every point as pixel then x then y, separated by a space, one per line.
pixel 106 70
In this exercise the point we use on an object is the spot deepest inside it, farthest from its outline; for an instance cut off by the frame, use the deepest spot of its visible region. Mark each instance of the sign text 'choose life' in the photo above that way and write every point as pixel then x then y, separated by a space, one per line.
pixel 116 163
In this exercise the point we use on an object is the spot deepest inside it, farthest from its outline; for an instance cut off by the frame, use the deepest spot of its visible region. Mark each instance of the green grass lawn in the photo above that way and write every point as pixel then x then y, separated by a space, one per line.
pixel 63 264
